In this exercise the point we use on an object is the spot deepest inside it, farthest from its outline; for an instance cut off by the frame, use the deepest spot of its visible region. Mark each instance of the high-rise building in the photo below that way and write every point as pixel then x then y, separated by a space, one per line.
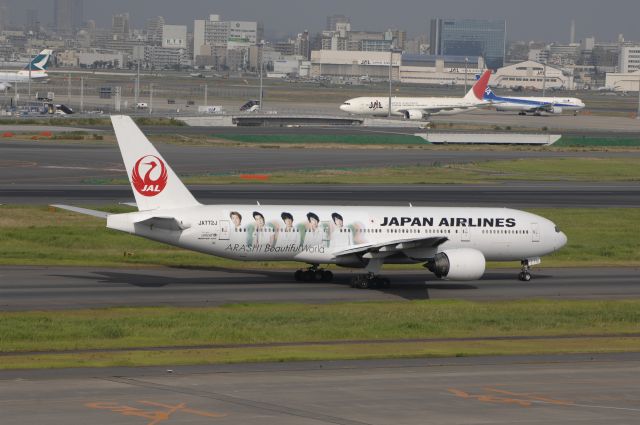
pixel 629 59
pixel 120 26
pixel 68 15
pixel 229 35
pixel 334 20
pixel 470 37
pixel 154 29
pixel 32 23
pixel 4 15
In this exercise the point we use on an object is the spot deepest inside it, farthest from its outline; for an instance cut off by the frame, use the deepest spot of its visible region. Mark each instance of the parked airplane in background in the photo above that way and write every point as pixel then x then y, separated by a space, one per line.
pixel 38 71
pixel 453 243
pixel 533 105
pixel 418 108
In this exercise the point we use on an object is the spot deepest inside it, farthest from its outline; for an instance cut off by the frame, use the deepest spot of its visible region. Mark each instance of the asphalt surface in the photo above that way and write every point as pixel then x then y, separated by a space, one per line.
pixel 30 288
pixel 46 162
pixel 498 195
pixel 532 390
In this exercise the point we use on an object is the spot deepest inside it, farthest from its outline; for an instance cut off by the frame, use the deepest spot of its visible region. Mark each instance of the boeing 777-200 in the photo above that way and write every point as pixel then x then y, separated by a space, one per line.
pixel 454 243
pixel 419 108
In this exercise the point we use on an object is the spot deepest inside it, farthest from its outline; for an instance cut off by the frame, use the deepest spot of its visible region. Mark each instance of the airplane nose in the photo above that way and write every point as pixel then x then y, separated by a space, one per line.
pixel 561 240
pixel 343 108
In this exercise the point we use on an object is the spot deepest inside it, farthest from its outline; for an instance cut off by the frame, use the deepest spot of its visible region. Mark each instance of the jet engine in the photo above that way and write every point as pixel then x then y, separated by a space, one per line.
pixel 413 115
pixel 4 86
pixel 457 264
pixel 556 110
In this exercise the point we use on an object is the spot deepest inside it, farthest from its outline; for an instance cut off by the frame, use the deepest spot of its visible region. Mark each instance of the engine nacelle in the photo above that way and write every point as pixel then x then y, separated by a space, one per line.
pixel 556 110
pixel 457 264
pixel 5 86
pixel 413 115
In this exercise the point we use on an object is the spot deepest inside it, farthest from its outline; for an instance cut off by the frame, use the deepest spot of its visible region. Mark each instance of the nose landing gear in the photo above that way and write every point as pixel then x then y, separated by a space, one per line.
pixel 525 274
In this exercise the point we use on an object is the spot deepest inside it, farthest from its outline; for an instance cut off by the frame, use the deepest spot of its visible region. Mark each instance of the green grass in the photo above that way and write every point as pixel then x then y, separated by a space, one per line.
pixel 342 139
pixel 126 328
pixel 547 169
pixel 591 141
pixel 38 236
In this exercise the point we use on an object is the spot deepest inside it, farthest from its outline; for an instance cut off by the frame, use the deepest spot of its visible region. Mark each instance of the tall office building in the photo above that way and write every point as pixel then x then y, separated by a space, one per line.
pixel 154 29
pixel 120 26
pixel 470 37
pixel 334 20
pixel 4 15
pixel 32 23
pixel 68 15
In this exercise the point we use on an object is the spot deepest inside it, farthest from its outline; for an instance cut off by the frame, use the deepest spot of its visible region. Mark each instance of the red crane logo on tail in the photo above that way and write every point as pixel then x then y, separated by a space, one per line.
pixel 155 175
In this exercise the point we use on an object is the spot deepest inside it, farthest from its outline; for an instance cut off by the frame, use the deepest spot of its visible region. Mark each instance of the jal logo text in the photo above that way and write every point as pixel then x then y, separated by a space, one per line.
pixel 149 176
pixel 375 105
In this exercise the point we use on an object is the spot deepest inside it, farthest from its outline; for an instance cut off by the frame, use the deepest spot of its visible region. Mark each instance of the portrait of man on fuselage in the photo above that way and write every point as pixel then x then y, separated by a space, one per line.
pixel 288 234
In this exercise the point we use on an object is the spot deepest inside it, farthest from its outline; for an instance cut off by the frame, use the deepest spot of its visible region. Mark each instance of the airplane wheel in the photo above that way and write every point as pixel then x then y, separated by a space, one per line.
pixel 307 276
pixel 318 275
pixel 327 276
pixel 385 283
pixel 364 283
pixel 298 275
pixel 524 276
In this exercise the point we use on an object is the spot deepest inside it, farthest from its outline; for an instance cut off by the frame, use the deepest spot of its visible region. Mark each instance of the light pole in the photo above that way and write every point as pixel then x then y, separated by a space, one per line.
pixel 137 85
pixel 261 58
pixel 150 99
pixel 466 65
pixel 81 94
pixel 390 75
pixel 206 93
pixel 544 79
pixel 30 65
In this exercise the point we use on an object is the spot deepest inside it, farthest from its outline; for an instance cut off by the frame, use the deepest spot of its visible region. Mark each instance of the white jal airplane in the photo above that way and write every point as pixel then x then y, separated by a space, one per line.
pixel 534 105
pixel 453 243
pixel 38 71
pixel 419 108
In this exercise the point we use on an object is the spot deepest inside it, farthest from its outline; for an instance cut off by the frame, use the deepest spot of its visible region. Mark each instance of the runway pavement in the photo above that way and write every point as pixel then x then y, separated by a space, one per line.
pixel 533 390
pixel 516 195
pixel 42 162
pixel 30 288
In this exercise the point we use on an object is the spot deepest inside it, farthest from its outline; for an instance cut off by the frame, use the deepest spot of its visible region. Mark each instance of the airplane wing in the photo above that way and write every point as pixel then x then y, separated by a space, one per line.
pixel 385 249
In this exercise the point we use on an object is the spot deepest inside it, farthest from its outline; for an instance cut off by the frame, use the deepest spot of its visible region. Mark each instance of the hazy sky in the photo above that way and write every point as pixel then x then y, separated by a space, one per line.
pixel 526 20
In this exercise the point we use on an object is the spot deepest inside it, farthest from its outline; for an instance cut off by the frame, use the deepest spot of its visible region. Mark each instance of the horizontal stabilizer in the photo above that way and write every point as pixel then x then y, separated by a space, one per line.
pixel 85 211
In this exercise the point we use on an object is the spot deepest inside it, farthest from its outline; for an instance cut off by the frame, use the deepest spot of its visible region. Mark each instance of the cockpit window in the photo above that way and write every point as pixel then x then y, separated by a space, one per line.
pixel 347 103
pixel 557 229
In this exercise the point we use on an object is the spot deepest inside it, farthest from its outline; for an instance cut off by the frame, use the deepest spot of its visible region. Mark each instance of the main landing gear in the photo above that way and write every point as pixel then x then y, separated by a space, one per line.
pixel 525 275
pixel 313 274
pixel 369 281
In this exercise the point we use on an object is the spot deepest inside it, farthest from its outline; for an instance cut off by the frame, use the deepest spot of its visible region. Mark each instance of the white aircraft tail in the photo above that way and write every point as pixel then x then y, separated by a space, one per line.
pixel 476 94
pixel 154 183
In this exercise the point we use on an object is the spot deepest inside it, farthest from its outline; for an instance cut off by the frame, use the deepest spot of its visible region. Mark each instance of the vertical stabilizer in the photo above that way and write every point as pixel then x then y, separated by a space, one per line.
pixel 154 183
pixel 40 62
pixel 476 94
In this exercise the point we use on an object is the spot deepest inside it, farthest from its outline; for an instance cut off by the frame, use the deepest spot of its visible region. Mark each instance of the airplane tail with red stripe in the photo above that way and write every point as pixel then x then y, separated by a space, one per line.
pixel 476 94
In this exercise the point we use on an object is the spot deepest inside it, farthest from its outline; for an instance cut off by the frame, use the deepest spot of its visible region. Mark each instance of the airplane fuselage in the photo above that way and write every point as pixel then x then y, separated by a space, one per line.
pixel 21 76
pixel 379 106
pixel 526 104
pixel 313 234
